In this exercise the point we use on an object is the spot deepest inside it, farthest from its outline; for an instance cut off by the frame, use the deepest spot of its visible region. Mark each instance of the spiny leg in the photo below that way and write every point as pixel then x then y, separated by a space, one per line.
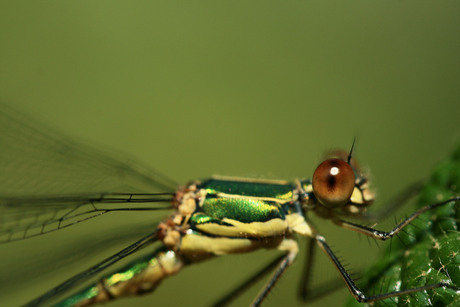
pixel 357 293
pixel 383 235
pixel 227 299
pixel 304 283
pixel 273 279
pixel 293 249
pixel 280 265
pixel 305 292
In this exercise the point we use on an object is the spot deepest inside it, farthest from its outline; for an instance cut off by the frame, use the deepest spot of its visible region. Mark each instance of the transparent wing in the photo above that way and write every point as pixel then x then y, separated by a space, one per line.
pixel 28 217
pixel 48 182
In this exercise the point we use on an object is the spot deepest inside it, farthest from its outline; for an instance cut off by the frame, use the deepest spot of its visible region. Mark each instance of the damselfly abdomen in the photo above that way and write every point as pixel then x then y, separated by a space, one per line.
pixel 212 217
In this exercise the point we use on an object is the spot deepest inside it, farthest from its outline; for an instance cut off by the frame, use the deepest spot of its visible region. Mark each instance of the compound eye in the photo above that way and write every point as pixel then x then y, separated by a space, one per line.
pixel 333 182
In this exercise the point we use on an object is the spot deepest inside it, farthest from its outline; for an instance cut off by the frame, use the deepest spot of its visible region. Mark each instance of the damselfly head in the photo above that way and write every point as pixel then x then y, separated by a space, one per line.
pixel 339 183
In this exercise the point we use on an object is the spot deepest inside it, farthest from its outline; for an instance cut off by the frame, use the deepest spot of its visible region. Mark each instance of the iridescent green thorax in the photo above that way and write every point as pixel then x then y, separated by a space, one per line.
pixel 279 190
pixel 235 207
pixel 241 209
pixel 245 201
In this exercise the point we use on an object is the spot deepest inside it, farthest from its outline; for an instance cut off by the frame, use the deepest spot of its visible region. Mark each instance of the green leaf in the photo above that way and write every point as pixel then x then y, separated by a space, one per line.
pixel 428 251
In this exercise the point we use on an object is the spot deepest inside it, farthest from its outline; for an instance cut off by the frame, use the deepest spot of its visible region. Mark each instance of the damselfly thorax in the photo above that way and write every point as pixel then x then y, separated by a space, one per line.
pixel 226 215
pixel 210 218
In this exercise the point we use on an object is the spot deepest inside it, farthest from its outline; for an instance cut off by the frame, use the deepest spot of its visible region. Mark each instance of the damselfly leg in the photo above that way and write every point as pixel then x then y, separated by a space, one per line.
pixel 279 265
pixel 208 218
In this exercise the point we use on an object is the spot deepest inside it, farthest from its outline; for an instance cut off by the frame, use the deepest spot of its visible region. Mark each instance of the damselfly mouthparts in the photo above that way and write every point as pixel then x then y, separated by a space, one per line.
pixel 213 217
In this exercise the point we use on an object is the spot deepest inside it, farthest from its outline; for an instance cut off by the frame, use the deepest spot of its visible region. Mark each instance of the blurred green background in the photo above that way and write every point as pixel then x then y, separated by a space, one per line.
pixel 259 88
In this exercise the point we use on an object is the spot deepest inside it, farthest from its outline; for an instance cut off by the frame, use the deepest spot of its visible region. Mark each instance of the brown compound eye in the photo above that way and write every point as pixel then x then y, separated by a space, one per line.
pixel 333 182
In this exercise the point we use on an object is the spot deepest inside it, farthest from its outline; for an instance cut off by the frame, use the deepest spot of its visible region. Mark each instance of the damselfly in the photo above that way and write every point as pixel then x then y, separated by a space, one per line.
pixel 212 217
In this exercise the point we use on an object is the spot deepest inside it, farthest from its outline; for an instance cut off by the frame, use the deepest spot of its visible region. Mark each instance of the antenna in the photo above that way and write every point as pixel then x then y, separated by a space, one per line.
pixel 351 150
